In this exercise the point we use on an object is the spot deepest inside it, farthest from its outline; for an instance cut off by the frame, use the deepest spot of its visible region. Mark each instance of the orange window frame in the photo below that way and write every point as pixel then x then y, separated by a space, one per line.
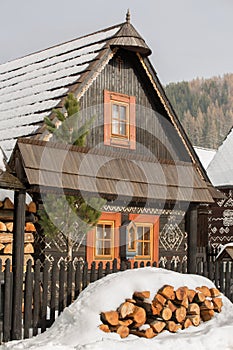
pixel 90 242
pixel 144 241
pixel 103 240
pixel 127 140
pixel 152 220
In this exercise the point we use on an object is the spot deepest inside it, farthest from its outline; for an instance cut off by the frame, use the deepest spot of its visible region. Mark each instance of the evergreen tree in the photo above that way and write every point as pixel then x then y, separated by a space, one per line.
pixel 69 216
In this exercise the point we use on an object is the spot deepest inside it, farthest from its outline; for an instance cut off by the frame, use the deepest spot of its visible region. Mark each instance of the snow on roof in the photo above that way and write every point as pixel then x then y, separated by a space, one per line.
pixel 31 86
pixel 205 155
pixel 2 163
pixel 77 326
pixel 226 247
pixel 220 169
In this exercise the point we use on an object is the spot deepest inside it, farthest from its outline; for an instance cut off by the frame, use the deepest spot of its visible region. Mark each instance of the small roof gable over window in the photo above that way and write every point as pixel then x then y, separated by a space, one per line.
pixel 130 39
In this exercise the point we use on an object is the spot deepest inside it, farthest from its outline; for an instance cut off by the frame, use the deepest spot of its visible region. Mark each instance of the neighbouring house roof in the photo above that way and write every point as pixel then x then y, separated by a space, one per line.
pixel 226 252
pixel 50 166
pixel 205 155
pixel 7 180
pixel 220 169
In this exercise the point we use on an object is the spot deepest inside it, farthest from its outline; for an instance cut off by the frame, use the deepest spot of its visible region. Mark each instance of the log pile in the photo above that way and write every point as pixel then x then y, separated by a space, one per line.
pixel 6 230
pixel 170 310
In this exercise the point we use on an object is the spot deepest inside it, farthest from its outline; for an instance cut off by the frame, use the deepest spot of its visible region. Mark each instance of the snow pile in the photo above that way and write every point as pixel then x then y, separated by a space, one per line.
pixel 77 327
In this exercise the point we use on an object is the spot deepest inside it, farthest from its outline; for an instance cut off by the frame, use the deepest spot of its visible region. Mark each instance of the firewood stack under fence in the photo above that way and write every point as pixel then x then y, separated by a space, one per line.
pixel 7 231
pixel 170 310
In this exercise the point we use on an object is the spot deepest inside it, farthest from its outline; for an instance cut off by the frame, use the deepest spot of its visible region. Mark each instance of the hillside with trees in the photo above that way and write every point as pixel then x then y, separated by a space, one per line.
pixel 205 108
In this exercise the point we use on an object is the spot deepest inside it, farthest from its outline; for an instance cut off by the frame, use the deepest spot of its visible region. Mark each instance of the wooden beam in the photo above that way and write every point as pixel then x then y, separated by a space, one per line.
pixel 17 263
pixel 191 226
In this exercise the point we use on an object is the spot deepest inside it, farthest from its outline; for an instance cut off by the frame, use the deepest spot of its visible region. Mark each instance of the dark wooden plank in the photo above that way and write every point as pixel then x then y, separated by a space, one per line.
pixel 53 297
pixel 107 268
pixel 93 272
pixel 227 280
pixel 114 265
pixel 78 274
pixel 221 276
pixel 44 302
pixel 216 273
pixel 7 303
pixel 100 270
pixel 17 263
pixel 61 296
pixel 69 283
pixel 85 275
pixel 28 304
pixel 36 298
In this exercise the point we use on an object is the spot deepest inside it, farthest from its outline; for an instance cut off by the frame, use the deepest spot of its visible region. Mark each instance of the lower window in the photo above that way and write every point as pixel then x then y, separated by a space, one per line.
pixel 144 241
pixel 104 238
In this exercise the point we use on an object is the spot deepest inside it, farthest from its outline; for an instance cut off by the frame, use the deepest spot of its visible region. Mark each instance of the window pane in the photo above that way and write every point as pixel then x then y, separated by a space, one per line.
pixel 99 248
pixel 146 248
pixel 99 232
pixel 107 231
pixel 107 247
pixel 131 238
pixel 139 232
pixel 115 111
pixel 115 127
pixel 147 233
pixel 122 113
pixel 139 248
pixel 122 128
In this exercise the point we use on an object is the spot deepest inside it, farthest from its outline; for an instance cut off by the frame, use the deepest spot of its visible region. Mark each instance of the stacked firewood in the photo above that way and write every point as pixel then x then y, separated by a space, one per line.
pixel 6 230
pixel 170 310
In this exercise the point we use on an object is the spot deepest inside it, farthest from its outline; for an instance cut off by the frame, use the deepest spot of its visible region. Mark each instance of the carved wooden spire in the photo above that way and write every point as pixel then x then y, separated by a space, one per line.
pixel 128 16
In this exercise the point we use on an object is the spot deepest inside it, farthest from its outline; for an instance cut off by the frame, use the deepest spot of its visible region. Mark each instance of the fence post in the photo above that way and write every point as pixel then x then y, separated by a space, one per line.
pixel 36 297
pixel 17 263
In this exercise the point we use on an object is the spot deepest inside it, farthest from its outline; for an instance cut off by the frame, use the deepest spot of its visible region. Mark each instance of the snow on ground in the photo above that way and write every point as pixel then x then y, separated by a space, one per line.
pixel 77 327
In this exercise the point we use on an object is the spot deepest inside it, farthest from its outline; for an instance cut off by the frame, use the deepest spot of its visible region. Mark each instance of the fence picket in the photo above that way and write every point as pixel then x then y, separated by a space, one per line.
pixel 53 292
pixel 28 299
pixel 61 296
pixel 85 275
pixel 36 298
pixel 77 285
pixel 100 270
pixel 7 302
pixel 44 301
pixel 55 287
pixel 93 273
pixel 69 283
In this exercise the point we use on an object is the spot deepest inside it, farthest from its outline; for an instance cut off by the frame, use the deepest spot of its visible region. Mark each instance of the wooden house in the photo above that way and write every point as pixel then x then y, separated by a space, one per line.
pixel 137 156
pixel 220 171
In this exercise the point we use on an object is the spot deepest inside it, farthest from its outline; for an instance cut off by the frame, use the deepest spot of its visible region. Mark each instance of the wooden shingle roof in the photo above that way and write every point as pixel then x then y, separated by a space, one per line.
pixel 30 87
pixel 50 166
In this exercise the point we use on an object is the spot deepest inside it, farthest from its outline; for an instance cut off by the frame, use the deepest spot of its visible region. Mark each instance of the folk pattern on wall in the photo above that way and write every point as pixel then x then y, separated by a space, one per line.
pixel 172 240
pixel 220 228
pixel 171 237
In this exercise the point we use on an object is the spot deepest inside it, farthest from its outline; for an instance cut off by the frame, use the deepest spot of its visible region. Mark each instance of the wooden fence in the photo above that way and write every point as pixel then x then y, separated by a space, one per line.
pixel 47 292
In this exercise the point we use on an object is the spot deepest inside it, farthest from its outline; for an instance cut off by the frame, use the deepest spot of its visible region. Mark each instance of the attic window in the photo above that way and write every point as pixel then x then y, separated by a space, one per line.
pixel 119 120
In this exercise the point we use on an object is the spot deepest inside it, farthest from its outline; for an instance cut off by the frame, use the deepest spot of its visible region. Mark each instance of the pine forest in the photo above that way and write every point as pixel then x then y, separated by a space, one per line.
pixel 205 108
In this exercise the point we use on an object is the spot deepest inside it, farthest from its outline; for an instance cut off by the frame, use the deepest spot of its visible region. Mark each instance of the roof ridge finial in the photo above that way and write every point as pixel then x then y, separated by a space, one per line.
pixel 128 16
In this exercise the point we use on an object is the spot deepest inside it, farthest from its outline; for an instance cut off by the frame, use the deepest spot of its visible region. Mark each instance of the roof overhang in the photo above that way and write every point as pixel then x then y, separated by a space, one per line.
pixel 110 174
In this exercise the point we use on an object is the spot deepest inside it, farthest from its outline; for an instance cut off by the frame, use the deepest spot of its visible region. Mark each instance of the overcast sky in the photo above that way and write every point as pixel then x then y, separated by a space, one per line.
pixel 188 38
